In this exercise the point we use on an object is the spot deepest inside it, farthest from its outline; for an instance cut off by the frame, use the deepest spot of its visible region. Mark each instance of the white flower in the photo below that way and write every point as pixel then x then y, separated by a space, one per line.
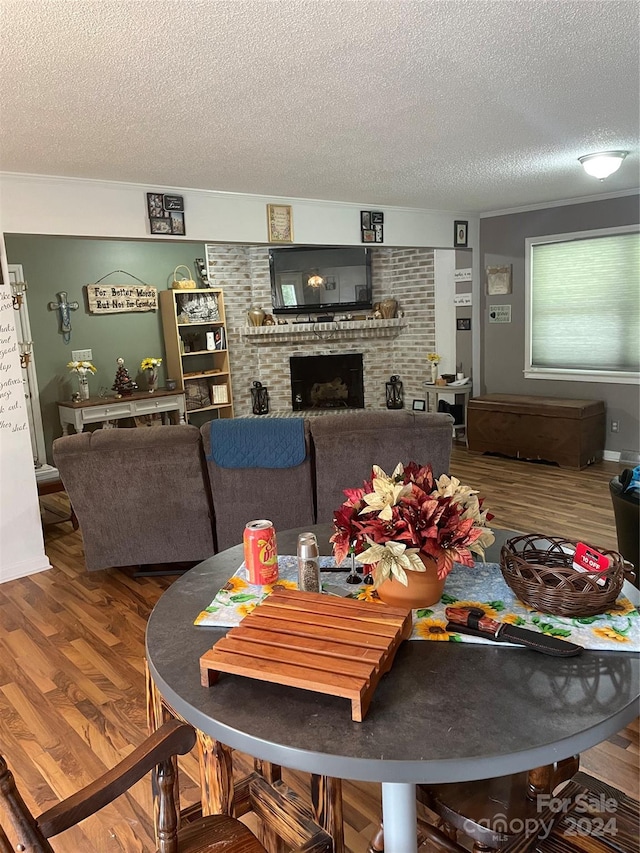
pixel 386 492
pixel 392 559
pixel 81 367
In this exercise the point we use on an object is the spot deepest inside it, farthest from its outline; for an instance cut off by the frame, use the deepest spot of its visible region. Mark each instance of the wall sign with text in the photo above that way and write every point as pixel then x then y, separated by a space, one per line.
pixel 120 298
pixel 499 313
pixel 279 223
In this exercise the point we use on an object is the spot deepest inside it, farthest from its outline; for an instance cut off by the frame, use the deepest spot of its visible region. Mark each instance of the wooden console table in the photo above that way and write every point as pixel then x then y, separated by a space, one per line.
pixel 105 409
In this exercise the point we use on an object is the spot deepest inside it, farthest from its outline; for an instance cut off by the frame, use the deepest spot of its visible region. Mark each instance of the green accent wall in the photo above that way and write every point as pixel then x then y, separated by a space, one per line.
pixel 54 264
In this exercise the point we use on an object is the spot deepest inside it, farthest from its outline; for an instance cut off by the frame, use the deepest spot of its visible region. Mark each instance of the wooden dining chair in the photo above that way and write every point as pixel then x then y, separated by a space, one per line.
pixel 284 820
pixel 21 831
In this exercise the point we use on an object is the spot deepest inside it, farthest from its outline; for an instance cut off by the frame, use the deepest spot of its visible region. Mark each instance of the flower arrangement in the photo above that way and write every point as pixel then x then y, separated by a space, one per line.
pixel 393 519
pixel 150 363
pixel 433 358
pixel 81 367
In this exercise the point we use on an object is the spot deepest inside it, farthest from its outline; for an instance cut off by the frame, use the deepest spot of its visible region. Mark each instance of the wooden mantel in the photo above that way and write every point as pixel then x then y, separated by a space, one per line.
pixel 326 331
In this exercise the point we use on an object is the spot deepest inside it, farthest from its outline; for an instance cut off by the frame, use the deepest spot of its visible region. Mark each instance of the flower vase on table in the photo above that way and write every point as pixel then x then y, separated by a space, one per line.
pixel 423 589
pixel 409 529
pixel 152 380
pixel 83 387
pixel 150 367
pixel 434 360
pixel 82 368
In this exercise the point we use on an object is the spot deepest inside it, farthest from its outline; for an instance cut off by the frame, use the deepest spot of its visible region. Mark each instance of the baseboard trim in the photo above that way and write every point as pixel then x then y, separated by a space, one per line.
pixel 24 568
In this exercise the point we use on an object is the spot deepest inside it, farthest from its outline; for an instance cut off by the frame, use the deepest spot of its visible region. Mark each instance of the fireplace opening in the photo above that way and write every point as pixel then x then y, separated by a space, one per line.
pixel 327 382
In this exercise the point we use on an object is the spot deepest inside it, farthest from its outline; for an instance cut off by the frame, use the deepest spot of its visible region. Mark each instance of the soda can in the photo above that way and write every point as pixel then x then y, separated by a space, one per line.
pixel 260 552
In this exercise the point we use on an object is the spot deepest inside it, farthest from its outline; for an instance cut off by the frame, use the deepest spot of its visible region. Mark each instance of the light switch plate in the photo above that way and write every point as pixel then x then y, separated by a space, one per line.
pixel 81 355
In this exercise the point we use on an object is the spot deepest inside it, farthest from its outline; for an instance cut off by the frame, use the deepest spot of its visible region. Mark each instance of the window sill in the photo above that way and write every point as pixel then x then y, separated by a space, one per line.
pixel 582 376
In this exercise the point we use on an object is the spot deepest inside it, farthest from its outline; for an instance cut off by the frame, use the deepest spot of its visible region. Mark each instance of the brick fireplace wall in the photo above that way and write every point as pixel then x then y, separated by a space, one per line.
pixel 406 275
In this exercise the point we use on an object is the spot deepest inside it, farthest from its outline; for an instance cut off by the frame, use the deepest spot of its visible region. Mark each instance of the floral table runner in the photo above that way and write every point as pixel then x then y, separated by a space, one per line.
pixel 481 586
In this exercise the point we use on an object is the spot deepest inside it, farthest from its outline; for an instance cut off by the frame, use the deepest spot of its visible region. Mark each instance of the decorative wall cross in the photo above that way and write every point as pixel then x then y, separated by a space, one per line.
pixel 64 307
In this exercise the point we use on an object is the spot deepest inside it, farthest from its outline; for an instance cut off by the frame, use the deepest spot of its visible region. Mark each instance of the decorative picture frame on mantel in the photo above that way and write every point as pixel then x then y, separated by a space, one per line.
pixel 279 223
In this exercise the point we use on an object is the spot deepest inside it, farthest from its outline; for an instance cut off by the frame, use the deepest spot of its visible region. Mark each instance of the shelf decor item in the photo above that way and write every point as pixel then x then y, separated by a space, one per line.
pixel 82 368
pixel 123 384
pixel 410 522
pixel 255 316
pixel 182 281
pixel 150 367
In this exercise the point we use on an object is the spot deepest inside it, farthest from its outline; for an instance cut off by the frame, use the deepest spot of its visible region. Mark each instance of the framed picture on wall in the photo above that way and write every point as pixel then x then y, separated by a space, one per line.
pixel 155 205
pixel 160 226
pixel 460 234
pixel 177 222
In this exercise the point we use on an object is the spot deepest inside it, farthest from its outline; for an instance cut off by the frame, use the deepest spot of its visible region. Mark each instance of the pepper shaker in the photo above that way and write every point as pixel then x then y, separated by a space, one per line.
pixel 308 563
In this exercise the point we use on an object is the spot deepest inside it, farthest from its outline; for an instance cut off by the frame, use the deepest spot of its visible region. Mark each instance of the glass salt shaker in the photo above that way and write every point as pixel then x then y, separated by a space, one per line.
pixel 308 563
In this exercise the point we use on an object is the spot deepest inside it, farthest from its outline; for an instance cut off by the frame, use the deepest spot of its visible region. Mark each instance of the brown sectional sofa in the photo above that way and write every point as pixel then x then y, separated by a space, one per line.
pixel 150 495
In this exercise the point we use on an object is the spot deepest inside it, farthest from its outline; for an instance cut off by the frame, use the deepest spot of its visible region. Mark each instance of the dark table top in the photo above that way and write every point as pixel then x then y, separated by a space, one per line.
pixel 445 712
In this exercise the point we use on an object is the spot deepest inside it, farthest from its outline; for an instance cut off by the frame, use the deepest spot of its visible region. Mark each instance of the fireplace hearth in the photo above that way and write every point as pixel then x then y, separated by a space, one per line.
pixel 327 382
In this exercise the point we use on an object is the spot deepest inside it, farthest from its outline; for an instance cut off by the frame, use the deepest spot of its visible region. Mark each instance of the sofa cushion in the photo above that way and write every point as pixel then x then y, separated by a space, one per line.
pixel 346 446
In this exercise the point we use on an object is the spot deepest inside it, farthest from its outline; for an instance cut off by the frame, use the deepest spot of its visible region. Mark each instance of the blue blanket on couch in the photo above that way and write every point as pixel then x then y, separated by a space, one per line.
pixel 257 443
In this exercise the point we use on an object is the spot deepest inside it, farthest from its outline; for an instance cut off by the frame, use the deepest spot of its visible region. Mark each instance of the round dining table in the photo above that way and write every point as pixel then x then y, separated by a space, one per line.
pixel 445 712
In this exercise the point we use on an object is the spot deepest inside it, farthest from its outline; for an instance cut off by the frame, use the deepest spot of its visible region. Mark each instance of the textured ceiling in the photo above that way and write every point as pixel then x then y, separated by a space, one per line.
pixel 466 105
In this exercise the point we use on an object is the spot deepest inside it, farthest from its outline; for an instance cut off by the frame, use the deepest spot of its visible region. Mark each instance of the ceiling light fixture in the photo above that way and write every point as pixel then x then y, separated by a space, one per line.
pixel 315 281
pixel 603 164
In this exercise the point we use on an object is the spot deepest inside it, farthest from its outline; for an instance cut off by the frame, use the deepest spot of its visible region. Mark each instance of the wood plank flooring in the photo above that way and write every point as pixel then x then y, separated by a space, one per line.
pixel 72 653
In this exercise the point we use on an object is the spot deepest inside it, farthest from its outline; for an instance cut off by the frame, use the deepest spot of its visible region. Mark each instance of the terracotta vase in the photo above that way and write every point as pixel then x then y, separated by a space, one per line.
pixel 423 590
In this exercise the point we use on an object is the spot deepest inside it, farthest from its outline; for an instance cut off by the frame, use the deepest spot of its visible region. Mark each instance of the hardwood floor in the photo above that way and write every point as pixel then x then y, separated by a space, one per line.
pixel 72 658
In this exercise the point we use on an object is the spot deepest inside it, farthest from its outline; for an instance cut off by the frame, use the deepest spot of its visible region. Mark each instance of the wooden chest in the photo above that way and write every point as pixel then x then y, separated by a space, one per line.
pixel 568 432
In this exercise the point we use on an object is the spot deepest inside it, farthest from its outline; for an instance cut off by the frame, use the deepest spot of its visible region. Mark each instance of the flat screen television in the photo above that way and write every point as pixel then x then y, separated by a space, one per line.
pixel 320 279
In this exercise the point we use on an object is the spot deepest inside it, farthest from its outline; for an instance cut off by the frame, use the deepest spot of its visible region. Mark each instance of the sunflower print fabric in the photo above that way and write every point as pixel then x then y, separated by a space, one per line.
pixel 481 586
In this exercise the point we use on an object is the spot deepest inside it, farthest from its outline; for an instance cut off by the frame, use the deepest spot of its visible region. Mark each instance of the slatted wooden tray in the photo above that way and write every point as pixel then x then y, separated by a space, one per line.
pixel 318 642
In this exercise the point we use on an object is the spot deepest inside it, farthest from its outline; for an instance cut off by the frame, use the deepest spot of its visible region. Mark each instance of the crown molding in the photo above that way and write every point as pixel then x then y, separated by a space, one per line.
pixel 267 199
pixel 543 205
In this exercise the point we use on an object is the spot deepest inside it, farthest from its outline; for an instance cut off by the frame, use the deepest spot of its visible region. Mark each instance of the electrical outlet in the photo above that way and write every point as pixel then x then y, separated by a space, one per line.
pixel 81 355
pixel 615 426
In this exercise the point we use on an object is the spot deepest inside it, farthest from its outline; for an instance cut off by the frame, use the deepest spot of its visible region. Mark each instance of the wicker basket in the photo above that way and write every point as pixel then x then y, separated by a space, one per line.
pixel 538 569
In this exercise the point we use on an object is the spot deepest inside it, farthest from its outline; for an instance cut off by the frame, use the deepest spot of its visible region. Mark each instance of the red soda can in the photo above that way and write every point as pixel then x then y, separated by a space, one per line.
pixel 260 551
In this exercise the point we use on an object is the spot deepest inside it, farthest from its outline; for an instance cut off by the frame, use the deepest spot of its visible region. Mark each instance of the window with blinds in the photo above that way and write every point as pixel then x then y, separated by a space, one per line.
pixel 583 301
